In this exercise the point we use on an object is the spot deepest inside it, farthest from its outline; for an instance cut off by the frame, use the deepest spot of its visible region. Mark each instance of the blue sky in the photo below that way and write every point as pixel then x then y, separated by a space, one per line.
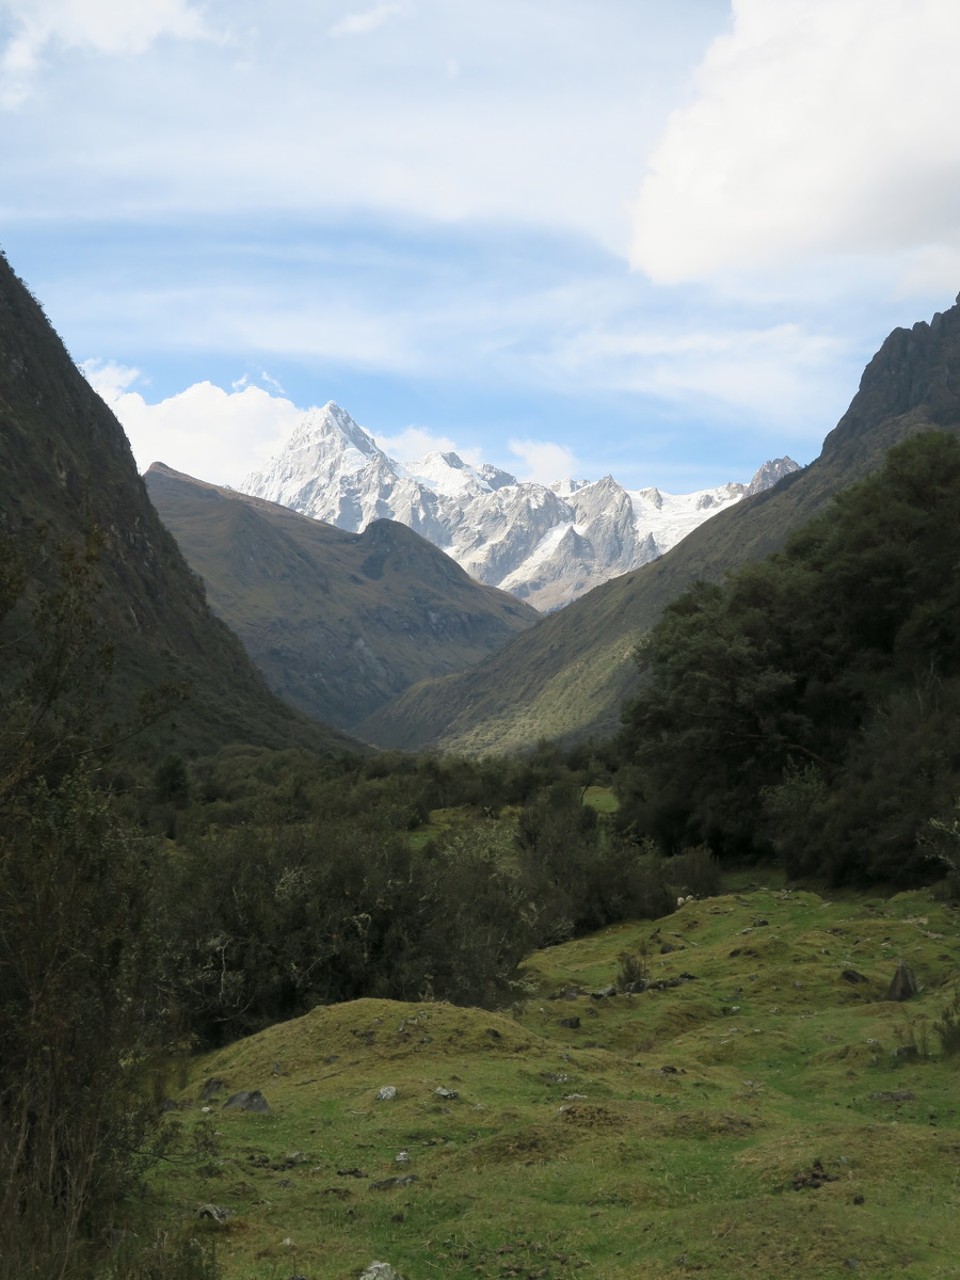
pixel 566 237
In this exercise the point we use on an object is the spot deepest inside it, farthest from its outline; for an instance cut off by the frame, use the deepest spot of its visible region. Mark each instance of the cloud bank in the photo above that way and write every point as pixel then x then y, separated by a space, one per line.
pixel 818 127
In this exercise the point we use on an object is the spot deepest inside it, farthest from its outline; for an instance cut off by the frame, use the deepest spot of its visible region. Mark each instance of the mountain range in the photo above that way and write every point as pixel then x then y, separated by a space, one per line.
pixel 338 623
pixel 66 468
pixel 546 544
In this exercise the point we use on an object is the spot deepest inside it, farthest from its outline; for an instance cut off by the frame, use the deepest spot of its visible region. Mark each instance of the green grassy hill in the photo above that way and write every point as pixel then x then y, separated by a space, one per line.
pixel 760 1109
pixel 569 678
pixel 338 623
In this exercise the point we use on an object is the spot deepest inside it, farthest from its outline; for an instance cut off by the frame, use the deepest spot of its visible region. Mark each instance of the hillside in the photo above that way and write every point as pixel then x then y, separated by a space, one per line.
pixel 569 678
pixel 338 623
pixel 758 1105
pixel 65 469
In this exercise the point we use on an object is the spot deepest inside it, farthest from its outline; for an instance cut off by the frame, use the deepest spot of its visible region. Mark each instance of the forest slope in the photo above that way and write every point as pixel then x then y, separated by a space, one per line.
pixel 569 678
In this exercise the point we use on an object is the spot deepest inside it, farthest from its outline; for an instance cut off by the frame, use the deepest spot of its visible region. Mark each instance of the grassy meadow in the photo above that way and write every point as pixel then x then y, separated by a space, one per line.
pixel 760 1109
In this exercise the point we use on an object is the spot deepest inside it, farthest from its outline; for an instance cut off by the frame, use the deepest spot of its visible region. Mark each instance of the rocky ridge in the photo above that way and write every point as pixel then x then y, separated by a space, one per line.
pixel 546 544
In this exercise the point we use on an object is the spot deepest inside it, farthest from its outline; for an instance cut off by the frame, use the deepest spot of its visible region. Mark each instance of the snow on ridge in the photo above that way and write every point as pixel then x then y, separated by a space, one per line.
pixel 547 544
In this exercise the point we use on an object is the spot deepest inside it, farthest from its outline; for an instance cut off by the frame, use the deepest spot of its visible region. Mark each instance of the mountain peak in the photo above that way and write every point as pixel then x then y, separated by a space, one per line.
pixel 504 532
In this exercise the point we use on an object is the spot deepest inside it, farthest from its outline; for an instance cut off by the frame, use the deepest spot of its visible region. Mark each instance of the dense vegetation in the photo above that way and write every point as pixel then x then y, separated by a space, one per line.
pixel 807 708
pixel 150 905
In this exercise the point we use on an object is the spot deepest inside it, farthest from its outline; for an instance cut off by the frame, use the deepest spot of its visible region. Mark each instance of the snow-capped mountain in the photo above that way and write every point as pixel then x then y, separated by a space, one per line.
pixel 545 544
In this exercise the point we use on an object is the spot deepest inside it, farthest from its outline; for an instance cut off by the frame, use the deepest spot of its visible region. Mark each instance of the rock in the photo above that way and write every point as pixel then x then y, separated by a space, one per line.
pixel 390 1184
pixel 851 976
pixel 813 1179
pixel 903 985
pixel 572 1023
pixel 212 1087
pixel 893 1095
pixel 448 1094
pixel 387 1093
pixel 247 1100
pixel 216 1212
pixel 603 993
pixel 351 1173
pixel 380 1271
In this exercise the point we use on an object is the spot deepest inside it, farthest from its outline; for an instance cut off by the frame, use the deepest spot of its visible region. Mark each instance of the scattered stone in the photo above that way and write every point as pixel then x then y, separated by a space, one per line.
pixel 352 1173
pixel 813 1179
pixel 603 993
pixel 893 1095
pixel 903 985
pixel 402 1157
pixel 380 1271
pixel 572 1023
pixel 908 1051
pixel 247 1100
pixel 668 1071
pixel 390 1184
pixel 858 1199
pixel 667 947
pixel 387 1093
pixel 761 924
pixel 448 1094
pixel 851 976
pixel 212 1087
pixel 216 1212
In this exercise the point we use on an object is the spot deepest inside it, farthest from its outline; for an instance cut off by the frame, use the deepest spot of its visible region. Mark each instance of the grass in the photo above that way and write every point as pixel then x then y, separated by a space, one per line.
pixel 759 1118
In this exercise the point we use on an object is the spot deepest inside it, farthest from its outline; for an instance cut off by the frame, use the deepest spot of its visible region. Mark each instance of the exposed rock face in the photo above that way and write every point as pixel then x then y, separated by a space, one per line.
pixel 545 544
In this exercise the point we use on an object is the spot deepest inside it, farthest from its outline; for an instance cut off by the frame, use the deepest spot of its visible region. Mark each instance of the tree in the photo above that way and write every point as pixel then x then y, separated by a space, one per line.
pixel 77 951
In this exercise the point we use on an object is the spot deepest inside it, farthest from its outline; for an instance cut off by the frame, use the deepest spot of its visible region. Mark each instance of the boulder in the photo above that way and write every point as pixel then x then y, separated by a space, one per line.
pixel 903 985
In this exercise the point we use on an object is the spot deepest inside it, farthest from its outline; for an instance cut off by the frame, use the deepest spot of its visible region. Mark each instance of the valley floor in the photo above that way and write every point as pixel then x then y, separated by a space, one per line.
pixel 761 1108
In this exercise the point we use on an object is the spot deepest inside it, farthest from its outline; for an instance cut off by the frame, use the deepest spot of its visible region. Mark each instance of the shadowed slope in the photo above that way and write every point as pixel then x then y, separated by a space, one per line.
pixel 338 622
pixel 65 469
pixel 569 677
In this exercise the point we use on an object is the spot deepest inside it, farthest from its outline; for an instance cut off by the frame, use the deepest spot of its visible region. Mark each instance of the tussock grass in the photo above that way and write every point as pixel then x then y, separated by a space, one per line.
pixel 760 1118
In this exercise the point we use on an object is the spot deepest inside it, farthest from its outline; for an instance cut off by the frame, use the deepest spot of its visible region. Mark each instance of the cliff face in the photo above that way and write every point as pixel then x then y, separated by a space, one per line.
pixel 65 469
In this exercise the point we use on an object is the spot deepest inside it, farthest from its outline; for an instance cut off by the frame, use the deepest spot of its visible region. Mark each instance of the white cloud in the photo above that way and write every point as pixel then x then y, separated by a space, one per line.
pixel 543 461
pixel 105 26
pixel 362 24
pixel 214 435
pixel 818 126
pixel 776 376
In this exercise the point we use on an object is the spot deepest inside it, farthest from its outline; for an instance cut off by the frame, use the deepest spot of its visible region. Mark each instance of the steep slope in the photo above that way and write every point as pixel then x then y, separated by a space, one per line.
pixel 569 678
pixel 547 544
pixel 338 623
pixel 65 467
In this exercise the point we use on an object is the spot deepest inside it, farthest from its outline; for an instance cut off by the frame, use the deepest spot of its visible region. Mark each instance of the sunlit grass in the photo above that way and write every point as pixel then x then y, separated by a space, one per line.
pixel 613 1136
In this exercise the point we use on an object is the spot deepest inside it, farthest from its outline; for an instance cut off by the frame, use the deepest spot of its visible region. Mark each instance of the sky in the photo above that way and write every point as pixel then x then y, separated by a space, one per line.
pixel 566 237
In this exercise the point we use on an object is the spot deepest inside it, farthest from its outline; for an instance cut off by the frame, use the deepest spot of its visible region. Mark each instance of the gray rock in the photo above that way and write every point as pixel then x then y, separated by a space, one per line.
pixel 215 1211
pixel 380 1271
pixel 386 1094
pixel 448 1094
pixel 247 1100
pixel 903 985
